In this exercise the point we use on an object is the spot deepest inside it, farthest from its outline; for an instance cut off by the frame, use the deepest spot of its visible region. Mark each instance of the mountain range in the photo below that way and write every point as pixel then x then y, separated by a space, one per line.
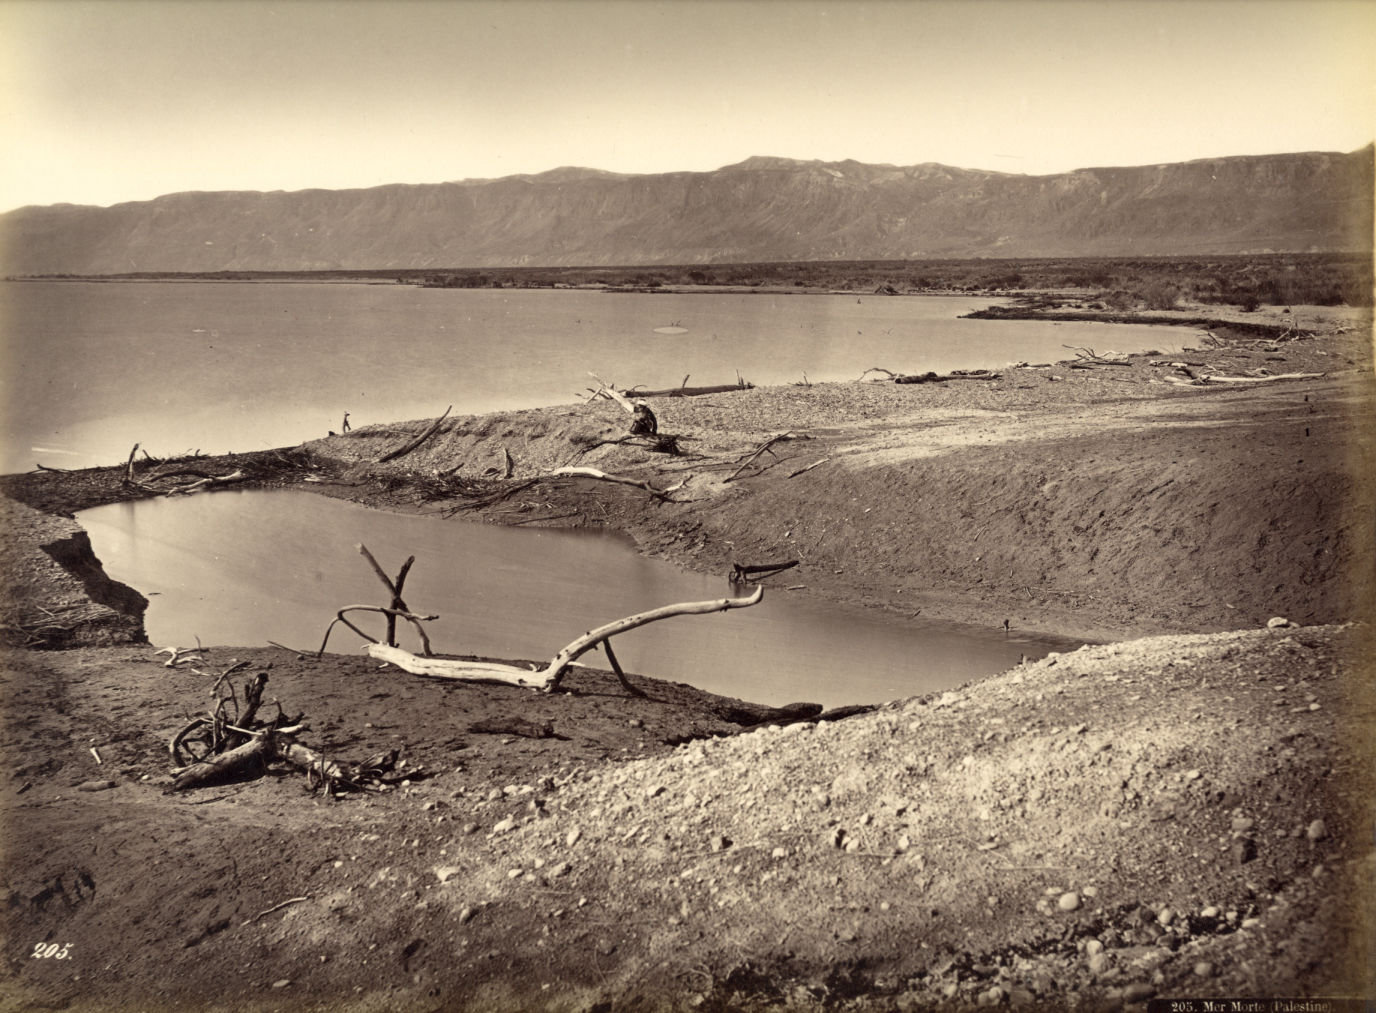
pixel 761 209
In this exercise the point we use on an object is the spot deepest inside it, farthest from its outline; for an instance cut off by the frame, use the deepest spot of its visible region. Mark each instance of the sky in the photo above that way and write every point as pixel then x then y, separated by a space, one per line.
pixel 113 100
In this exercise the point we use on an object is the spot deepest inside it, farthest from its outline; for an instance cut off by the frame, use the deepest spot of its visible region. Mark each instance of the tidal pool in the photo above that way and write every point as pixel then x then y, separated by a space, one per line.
pixel 240 568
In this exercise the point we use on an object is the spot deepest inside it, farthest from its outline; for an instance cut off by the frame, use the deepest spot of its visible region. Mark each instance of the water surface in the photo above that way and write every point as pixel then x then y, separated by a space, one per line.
pixel 246 567
pixel 90 368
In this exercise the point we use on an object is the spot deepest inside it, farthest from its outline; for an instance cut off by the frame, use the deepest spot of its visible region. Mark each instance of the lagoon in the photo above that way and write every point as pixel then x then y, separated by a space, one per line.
pixel 247 567
pixel 91 368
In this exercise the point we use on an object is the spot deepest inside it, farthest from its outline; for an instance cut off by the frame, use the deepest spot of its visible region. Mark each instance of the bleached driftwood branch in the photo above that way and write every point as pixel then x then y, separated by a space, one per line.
pixel 550 676
pixel 662 494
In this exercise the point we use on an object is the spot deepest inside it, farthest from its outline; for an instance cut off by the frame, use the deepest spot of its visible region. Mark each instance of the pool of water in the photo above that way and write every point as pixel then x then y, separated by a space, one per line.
pixel 246 567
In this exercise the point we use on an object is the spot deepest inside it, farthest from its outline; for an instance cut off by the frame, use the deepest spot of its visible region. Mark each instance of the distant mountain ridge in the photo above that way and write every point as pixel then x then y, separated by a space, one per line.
pixel 762 209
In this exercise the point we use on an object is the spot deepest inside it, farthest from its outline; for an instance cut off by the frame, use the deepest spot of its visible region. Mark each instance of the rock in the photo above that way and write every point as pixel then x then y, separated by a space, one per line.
pixel 466 915
pixel 1138 991
pixel 1069 902
pixel 1241 824
pixel 572 837
pixel 719 843
pixel 1244 850
pixel 95 785
pixel 1166 916
pixel 1277 623
pixel 281 983
pixel 446 872
pixel 1203 969
pixel 1099 963
pixel 1316 831
pixel 1093 946
pixel 503 826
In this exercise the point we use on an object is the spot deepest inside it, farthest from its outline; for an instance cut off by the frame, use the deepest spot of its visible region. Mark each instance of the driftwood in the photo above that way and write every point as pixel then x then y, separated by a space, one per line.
pixel 398 605
pixel 767 445
pixel 1210 379
pixel 402 451
pixel 955 374
pixel 740 573
pixel 253 757
pixel 719 388
pixel 552 674
pixel 1089 357
pixel 661 494
pixel 410 617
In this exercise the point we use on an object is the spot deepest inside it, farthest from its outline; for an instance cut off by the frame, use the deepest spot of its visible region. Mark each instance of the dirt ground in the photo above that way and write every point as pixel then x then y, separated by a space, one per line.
pixel 1182 811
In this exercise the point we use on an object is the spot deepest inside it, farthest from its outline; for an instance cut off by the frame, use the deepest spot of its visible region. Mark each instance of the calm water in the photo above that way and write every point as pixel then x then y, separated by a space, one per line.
pixel 89 369
pixel 248 567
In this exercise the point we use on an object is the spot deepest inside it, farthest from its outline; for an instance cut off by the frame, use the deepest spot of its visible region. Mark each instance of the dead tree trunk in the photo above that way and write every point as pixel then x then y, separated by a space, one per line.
pixel 404 450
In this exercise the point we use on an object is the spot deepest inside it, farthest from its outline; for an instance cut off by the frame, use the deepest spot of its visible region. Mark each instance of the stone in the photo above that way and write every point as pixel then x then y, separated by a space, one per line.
pixel 1138 991
pixel 1099 963
pixel 1244 850
pixel 1316 831
pixel 1203 969
pixel 95 786
pixel 503 826
pixel 1277 623
pixel 572 837
pixel 1069 902
pixel 1093 946
pixel 444 873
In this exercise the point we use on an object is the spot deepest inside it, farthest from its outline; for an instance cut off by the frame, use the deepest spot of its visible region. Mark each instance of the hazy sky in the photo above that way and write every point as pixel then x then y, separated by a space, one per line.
pixel 112 100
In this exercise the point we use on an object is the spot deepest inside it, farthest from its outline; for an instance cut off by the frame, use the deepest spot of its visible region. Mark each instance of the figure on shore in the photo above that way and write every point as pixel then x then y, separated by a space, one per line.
pixel 643 422
pixel 346 422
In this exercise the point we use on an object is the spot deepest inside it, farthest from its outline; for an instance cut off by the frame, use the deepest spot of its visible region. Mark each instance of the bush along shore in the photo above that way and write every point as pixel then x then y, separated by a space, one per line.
pixel 1180 810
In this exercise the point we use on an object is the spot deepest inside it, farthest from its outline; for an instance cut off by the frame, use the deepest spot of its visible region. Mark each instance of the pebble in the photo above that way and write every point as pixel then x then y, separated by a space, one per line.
pixel 514 874
pixel 95 785
pixel 1203 969
pixel 281 983
pixel 1098 963
pixel 466 915
pixel 446 872
pixel 1069 902
pixel 572 837
pixel 1093 946
pixel 1317 831
pixel 1277 623
pixel 1138 991
pixel 503 826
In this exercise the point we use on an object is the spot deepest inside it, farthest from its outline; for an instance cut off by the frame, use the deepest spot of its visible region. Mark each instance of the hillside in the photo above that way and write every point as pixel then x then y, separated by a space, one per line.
pixel 761 209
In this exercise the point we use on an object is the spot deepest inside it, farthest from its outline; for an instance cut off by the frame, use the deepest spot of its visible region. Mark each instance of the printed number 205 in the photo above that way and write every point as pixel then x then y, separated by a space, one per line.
pixel 44 950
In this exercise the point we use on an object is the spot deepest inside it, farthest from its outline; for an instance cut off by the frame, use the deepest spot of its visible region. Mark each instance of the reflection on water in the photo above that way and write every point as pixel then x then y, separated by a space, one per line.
pixel 243 568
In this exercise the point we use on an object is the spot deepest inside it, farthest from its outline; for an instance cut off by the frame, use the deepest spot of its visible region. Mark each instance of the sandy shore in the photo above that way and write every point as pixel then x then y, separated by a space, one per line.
pixel 1183 815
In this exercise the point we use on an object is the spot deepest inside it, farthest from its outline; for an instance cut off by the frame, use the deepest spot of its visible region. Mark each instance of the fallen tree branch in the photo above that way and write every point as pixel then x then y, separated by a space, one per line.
pixel 739 573
pixel 766 445
pixel 1206 379
pixel 404 450
pixel 808 467
pixel 662 494
pixel 549 678
pixel 411 617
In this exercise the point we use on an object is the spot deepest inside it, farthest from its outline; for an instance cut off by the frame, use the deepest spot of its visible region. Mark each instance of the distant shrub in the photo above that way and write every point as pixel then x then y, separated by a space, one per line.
pixel 1159 295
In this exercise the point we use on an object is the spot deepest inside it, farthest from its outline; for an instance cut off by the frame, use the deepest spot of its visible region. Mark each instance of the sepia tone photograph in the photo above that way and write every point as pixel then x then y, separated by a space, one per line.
pixel 687 505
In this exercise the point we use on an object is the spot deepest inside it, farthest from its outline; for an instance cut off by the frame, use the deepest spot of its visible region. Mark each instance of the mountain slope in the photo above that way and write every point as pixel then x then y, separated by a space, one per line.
pixel 762 209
